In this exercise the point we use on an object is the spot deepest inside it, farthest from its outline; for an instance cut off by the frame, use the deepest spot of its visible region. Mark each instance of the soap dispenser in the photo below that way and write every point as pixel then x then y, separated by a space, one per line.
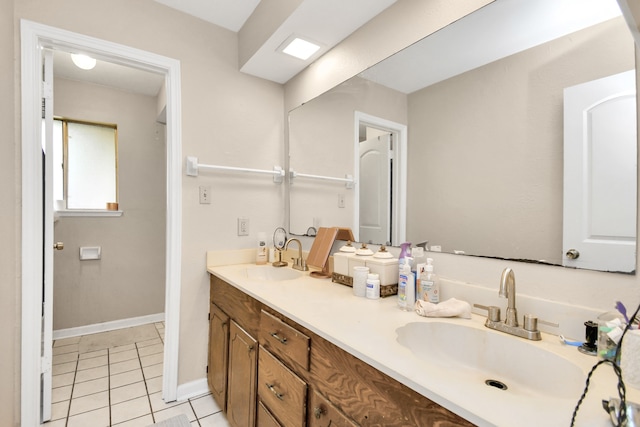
pixel 406 287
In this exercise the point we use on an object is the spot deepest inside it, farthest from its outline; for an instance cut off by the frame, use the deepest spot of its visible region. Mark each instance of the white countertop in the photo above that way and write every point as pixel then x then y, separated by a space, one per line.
pixel 367 329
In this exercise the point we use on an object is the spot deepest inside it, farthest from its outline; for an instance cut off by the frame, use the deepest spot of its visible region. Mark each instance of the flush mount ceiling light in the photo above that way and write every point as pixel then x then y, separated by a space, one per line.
pixel 299 48
pixel 83 61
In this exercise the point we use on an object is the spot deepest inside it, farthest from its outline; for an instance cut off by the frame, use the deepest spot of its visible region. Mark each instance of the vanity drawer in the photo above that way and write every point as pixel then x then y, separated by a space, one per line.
pixel 283 393
pixel 323 414
pixel 284 341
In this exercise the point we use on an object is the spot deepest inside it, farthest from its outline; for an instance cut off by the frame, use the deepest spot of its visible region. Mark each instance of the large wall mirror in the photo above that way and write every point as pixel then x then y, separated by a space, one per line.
pixel 519 136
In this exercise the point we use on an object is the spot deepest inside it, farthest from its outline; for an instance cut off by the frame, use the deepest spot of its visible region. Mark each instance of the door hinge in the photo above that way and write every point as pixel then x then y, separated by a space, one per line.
pixel 208 316
pixel 45 365
pixel 207 369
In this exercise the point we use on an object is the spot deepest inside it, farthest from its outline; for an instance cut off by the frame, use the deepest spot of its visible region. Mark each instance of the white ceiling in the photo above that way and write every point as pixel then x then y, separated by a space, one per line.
pixel 229 14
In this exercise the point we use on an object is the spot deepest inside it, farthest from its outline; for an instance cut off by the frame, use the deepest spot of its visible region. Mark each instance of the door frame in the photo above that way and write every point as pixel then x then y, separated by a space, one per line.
pixel 33 37
pixel 399 185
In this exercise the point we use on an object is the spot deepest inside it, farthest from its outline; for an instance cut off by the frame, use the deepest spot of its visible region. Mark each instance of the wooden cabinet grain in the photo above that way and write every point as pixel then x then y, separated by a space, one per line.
pixel 218 354
pixel 353 392
pixel 241 391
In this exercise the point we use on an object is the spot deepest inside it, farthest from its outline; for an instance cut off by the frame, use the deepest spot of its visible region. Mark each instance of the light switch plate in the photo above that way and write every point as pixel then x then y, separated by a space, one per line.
pixel 205 194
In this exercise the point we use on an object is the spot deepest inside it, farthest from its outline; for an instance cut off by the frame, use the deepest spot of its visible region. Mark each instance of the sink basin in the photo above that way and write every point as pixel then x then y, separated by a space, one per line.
pixel 272 274
pixel 494 358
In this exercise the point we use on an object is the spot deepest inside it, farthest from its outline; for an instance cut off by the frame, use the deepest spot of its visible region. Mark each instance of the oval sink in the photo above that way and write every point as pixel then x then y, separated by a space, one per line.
pixel 272 274
pixel 494 358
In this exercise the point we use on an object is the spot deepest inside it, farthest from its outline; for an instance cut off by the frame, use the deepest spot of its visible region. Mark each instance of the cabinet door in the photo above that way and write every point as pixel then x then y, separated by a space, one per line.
pixel 243 365
pixel 265 419
pixel 323 414
pixel 218 354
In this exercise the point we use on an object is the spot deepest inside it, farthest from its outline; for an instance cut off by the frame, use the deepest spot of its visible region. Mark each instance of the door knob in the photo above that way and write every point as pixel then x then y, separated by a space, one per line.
pixel 58 246
pixel 572 254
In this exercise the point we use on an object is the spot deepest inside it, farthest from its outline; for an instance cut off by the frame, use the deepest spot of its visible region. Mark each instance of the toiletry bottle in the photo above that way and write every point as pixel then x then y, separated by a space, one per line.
pixel 429 284
pixel 373 286
pixel 406 287
pixel 419 262
pixel 261 252
pixel 404 252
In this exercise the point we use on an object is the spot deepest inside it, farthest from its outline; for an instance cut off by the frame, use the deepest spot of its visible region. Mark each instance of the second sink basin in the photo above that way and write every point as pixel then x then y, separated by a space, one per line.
pixel 272 274
pixel 499 360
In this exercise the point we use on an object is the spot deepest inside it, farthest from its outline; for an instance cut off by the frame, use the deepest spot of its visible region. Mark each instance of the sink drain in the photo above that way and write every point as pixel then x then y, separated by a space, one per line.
pixel 497 384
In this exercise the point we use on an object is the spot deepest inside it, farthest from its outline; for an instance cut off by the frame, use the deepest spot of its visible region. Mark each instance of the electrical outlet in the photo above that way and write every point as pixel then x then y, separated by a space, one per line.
pixel 243 226
pixel 205 194
pixel 341 200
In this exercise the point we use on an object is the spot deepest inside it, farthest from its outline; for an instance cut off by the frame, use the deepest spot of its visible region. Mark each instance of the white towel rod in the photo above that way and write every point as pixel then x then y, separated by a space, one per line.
pixel 193 167
pixel 348 179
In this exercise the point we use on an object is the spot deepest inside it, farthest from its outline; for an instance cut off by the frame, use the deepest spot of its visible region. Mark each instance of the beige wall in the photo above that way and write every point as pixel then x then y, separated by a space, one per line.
pixel 129 279
pixel 485 147
pixel 9 225
pixel 228 118
pixel 319 131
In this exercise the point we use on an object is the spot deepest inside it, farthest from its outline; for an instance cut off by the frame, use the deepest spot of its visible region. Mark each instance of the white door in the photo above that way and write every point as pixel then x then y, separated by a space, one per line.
pixel 47 285
pixel 375 190
pixel 600 177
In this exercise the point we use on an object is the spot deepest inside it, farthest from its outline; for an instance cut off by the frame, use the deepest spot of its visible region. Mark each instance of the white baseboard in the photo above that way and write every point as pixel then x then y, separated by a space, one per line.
pixel 192 389
pixel 107 326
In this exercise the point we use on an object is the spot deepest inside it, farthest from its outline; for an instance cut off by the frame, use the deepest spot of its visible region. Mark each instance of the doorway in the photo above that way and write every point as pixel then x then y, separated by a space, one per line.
pixel 394 176
pixel 34 37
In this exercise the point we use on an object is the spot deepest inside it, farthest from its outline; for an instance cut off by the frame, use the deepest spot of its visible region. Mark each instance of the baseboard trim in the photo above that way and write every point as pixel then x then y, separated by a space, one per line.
pixel 107 326
pixel 192 389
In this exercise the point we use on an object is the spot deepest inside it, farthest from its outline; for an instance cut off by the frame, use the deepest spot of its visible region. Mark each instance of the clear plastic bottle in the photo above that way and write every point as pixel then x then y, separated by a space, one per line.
pixel 429 284
pixel 261 251
pixel 406 287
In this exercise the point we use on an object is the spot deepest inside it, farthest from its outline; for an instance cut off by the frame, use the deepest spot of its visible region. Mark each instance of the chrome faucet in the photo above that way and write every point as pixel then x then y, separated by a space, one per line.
pixel 508 291
pixel 510 325
pixel 298 263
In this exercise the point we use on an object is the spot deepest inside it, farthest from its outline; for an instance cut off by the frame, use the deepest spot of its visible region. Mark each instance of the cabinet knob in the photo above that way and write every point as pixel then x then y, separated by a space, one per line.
pixel 318 412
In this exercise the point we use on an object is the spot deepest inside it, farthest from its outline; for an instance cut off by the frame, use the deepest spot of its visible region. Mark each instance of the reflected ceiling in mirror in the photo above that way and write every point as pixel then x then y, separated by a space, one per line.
pixel 484 109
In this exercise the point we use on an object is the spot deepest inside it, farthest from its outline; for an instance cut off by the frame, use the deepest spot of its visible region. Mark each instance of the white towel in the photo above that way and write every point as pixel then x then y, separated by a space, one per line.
pixel 449 308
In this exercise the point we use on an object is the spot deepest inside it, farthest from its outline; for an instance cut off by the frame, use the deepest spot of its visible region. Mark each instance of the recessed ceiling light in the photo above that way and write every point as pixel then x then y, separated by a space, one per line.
pixel 300 48
pixel 83 61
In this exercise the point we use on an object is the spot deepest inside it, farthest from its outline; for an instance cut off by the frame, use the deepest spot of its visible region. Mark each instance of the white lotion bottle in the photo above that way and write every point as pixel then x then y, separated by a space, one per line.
pixel 406 287
pixel 373 286
pixel 261 251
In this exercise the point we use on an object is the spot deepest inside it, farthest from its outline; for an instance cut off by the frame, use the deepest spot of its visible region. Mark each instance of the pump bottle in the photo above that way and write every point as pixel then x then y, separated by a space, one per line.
pixel 406 287
pixel 429 286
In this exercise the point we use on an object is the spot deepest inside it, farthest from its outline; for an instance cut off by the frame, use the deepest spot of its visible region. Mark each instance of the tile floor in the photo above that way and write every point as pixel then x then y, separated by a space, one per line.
pixel 115 379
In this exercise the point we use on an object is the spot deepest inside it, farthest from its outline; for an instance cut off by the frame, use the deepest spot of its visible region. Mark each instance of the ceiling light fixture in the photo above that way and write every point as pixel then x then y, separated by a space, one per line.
pixel 83 61
pixel 299 47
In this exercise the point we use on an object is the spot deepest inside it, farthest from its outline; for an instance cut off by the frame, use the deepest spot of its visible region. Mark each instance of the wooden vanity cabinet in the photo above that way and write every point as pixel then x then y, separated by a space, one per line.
pixel 218 354
pixel 242 373
pixel 334 388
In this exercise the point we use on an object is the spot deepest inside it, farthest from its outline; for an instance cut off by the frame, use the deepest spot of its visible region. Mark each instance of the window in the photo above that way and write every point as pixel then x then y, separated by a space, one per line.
pixel 87 154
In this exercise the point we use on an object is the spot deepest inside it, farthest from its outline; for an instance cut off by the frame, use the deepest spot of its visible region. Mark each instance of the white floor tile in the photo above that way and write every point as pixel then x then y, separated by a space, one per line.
pixel 97 418
pixel 66 341
pixel 149 343
pixel 90 387
pixel 59 410
pixel 183 408
pixel 157 404
pixel 152 349
pixel 88 403
pixel 204 406
pixel 93 362
pixel 215 420
pixel 130 409
pixel 144 421
pixel 63 368
pixel 92 354
pixel 73 348
pixel 92 374
pixel 118 380
pixel 153 370
pixel 127 365
pixel 61 393
pixel 123 355
pixel 62 380
pixel 152 359
pixel 57 423
pixel 128 392
pixel 154 384
pixel 65 358
pixel 121 348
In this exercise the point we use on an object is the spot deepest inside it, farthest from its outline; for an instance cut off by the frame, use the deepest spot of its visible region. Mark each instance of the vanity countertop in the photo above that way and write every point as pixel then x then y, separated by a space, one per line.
pixel 367 329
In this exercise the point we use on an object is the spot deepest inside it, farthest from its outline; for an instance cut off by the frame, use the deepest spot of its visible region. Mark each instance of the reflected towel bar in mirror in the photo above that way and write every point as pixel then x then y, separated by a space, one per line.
pixel 348 179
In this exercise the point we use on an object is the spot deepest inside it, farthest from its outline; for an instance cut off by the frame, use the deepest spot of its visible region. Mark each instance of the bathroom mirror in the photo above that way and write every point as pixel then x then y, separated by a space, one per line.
pixel 485 132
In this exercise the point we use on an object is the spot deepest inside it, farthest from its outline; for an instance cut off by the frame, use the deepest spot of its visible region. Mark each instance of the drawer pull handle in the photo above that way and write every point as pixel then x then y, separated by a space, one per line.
pixel 275 392
pixel 281 339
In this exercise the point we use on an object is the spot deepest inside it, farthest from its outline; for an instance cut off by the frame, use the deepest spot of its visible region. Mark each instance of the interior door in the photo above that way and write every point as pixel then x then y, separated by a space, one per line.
pixel 47 280
pixel 375 190
pixel 600 167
